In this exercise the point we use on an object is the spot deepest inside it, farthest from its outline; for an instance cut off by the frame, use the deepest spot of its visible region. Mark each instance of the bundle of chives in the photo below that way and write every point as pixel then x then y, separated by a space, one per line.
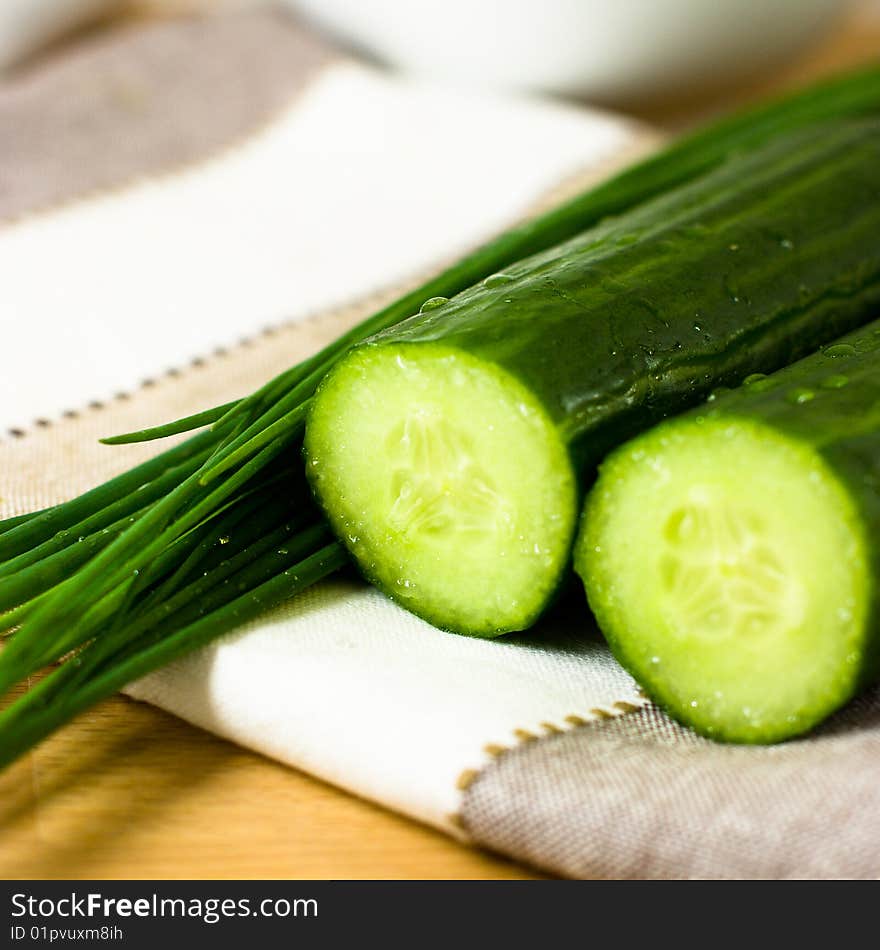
pixel 169 555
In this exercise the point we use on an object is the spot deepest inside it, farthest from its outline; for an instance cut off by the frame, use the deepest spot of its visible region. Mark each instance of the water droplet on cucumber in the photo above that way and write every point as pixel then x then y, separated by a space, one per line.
pixel 838 350
pixel 498 280
pixel 433 303
pixel 800 396
pixel 718 392
pixel 758 382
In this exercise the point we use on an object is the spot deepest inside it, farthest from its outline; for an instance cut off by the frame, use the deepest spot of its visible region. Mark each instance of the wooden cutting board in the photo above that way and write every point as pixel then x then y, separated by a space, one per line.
pixel 128 791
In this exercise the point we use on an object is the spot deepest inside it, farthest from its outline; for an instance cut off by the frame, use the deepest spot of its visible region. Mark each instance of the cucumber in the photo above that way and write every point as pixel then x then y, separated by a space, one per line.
pixel 449 452
pixel 730 554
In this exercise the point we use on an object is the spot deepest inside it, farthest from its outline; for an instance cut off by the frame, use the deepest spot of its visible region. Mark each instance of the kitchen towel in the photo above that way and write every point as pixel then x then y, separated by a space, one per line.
pixel 190 207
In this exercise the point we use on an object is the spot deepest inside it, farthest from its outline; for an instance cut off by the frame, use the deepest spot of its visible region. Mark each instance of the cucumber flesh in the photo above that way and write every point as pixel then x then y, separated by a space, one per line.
pixel 475 498
pixel 727 566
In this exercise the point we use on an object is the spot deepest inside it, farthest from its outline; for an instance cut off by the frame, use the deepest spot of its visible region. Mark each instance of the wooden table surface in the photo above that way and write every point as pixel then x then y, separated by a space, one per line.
pixel 130 792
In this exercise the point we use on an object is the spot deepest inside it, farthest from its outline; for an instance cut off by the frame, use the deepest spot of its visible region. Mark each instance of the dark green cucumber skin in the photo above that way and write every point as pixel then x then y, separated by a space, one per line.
pixel 852 95
pixel 743 271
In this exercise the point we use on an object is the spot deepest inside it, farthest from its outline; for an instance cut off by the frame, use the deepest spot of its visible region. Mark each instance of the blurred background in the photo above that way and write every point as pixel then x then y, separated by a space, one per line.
pixel 656 57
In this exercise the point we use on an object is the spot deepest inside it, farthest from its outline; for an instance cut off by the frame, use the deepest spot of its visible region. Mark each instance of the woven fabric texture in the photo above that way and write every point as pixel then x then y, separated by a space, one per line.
pixel 143 101
pixel 641 797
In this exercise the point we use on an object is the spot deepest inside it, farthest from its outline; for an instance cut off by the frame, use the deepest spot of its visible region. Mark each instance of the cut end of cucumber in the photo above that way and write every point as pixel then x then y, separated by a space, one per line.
pixel 448 483
pixel 726 565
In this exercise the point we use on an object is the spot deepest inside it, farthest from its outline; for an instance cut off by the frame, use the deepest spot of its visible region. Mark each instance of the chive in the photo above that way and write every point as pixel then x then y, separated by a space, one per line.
pixel 143 541
pixel 26 653
pixel 276 387
pixel 186 424
pixel 11 620
pixel 43 526
pixel 50 570
pixel 35 715
pixel 7 524
pixel 114 513
pixel 291 424
pixel 248 569
pixel 241 572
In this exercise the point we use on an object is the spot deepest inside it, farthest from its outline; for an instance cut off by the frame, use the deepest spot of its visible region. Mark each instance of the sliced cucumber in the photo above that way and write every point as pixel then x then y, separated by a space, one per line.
pixel 475 498
pixel 731 554
pixel 727 566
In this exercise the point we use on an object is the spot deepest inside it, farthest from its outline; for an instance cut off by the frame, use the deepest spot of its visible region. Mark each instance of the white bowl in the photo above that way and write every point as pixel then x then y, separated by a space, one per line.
pixel 606 49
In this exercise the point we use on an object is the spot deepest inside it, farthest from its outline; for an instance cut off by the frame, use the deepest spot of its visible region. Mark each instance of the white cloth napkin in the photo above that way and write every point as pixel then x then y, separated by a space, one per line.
pixel 342 683
pixel 363 182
